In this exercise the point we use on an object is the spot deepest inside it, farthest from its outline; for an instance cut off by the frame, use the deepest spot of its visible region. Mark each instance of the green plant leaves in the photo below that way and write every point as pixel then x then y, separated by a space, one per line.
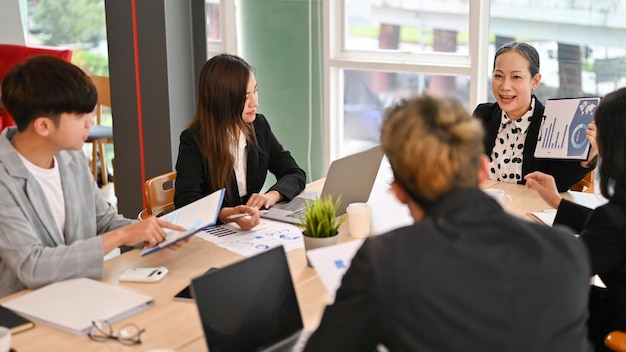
pixel 320 219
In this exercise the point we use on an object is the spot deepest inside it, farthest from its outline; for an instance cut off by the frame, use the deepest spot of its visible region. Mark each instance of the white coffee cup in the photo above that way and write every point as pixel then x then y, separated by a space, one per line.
pixel 498 194
pixel 359 219
pixel 5 339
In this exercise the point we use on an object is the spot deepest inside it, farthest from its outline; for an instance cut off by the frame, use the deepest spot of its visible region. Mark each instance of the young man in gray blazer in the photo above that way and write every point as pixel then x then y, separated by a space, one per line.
pixel 54 223
pixel 467 276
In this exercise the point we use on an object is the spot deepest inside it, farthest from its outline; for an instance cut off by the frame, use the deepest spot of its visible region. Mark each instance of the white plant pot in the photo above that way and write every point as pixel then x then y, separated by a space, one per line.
pixel 317 242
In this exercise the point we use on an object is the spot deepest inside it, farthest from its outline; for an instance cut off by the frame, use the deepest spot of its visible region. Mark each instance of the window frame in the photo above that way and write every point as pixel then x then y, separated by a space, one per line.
pixel 337 58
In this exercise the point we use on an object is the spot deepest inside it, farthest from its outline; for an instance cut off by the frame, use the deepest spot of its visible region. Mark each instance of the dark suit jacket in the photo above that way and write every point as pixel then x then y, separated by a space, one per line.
pixel 468 277
pixel 192 182
pixel 566 172
pixel 604 232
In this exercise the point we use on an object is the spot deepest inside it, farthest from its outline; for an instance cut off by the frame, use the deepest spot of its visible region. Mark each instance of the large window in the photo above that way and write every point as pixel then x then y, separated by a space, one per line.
pixel 381 50
pixel 580 43
pixel 79 25
pixel 220 27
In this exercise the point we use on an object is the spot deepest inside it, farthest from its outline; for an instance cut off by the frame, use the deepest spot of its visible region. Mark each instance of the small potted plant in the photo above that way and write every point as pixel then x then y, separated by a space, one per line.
pixel 320 224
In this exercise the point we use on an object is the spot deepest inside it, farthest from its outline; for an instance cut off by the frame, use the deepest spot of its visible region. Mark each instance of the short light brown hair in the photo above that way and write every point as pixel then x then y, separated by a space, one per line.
pixel 434 146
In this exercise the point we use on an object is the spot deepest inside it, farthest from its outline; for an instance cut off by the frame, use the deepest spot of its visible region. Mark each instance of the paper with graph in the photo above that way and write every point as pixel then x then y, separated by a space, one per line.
pixel 193 217
pixel 266 235
pixel 562 134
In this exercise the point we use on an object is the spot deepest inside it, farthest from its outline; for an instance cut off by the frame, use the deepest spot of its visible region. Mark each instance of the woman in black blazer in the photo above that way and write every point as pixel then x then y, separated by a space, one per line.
pixel 228 145
pixel 512 124
pixel 602 229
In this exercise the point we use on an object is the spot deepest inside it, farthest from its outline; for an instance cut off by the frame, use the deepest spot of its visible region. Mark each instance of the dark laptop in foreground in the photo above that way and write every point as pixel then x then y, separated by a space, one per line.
pixel 352 177
pixel 250 305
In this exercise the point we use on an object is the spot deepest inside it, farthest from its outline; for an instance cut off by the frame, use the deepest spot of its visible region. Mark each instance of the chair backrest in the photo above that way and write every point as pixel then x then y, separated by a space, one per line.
pixel 616 341
pixel 159 193
pixel 104 95
pixel 586 184
pixel 11 55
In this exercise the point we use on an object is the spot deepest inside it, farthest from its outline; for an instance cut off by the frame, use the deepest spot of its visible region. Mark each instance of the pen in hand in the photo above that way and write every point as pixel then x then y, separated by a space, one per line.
pixel 237 216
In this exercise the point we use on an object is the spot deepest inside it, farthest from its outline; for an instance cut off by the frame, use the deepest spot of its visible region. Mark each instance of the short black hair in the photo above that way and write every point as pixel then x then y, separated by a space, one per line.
pixel 48 86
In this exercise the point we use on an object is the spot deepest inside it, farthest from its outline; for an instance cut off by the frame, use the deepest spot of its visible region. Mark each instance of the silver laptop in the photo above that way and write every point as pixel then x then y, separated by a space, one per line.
pixel 250 305
pixel 352 177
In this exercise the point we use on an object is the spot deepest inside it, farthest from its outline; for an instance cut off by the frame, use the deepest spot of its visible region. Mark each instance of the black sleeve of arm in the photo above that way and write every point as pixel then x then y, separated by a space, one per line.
pixel 571 215
pixel 605 238
pixel 191 183
pixel 290 178
pixel 356 305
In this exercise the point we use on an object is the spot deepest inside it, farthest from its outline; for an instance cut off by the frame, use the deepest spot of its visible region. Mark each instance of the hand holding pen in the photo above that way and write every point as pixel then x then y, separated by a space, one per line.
pixel 246 217
pixel 237 216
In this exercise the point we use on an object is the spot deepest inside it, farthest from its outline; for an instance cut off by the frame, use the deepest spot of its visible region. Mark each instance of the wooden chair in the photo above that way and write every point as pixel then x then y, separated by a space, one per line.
pixel 616 341
pixel 586 184
pixel 100 134
pixel 159 195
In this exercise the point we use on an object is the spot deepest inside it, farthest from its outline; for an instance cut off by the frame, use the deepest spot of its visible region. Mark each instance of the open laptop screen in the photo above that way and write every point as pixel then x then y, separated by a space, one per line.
pixel 248 305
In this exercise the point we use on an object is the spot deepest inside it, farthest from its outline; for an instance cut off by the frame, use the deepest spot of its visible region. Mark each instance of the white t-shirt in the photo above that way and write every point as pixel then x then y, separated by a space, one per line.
pixel 50 182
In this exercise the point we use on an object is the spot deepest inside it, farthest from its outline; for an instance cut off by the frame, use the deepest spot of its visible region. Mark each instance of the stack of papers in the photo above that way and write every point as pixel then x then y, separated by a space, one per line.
pixel 72 305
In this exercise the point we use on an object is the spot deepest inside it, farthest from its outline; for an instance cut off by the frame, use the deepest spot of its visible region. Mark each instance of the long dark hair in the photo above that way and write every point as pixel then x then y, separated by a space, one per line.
pixel 221 99
pixel 610 119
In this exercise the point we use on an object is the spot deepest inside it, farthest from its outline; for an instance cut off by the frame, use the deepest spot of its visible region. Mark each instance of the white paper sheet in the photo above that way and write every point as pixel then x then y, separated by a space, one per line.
pixel 332 262
pixel 266 235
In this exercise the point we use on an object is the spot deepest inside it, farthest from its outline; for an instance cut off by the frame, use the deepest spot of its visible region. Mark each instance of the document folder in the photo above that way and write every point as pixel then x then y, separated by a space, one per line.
pixel 193 217
pixel 73 304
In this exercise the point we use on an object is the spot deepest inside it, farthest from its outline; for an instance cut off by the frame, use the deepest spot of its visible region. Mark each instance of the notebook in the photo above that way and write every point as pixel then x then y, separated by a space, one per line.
pixel 352 177
pixel 73 304
pixel 250 305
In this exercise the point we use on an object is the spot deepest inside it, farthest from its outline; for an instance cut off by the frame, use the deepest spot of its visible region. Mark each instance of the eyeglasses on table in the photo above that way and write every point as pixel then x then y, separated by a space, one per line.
pixel 129 334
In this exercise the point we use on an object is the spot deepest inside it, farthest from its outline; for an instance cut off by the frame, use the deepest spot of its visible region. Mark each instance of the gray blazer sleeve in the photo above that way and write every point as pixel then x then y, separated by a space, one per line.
pixel 32 251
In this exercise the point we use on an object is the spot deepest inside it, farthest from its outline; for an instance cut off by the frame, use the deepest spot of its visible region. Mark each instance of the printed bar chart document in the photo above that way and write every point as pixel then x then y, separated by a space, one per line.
pixel 562 134
pixel 194 217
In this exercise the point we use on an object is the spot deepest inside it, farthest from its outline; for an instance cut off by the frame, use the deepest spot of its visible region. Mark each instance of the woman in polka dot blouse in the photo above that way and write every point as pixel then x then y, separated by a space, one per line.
pixel 512 123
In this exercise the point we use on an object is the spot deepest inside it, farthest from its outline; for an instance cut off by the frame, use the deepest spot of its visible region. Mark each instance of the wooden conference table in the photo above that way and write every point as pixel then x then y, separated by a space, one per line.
pixel 176 325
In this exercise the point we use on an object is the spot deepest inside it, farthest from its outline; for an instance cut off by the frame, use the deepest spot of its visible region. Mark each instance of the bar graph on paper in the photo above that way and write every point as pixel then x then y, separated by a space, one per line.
pixel 562 134
pixel 553 139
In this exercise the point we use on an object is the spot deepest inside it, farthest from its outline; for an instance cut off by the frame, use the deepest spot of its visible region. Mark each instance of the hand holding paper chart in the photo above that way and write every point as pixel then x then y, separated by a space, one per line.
pixel 193 217
pixel 562 134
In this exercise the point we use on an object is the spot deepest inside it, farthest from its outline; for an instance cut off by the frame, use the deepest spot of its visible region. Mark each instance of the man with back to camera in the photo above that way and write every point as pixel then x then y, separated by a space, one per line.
pixel 54 223
pixel 466 276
